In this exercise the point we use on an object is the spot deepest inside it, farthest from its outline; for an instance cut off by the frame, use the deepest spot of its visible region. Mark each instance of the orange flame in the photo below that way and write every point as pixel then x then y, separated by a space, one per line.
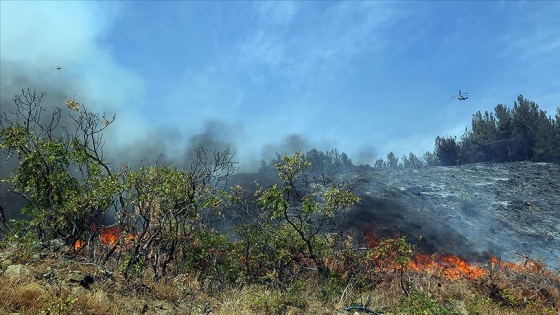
pixel 528 265
pixel 107 236
pixel 78 244
pixel 450 266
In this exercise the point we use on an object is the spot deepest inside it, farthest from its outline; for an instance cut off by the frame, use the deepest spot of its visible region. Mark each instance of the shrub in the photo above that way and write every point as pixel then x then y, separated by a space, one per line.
pixel 304 210
pixel 61 172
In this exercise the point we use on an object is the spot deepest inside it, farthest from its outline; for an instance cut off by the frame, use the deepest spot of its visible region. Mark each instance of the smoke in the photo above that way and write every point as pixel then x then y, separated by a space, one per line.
pixel 165 145
pixel 186 113
pixel 366 156
pixel 291 143
pixel 147 145
pixel 214 136
pixel 14 77
pixel 35 56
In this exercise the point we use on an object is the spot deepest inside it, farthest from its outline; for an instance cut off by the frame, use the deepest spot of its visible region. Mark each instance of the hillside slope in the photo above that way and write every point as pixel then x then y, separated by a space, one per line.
pixel 476 211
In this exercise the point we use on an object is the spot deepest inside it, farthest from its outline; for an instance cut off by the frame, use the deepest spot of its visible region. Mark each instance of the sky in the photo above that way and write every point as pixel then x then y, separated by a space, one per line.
pixel 365 78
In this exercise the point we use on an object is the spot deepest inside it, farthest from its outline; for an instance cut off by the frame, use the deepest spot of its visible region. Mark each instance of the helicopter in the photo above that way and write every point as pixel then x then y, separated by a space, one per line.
pixel 462 96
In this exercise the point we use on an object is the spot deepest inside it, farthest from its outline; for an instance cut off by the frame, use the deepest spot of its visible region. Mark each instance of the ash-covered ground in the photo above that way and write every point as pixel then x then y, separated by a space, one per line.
pixel 475 211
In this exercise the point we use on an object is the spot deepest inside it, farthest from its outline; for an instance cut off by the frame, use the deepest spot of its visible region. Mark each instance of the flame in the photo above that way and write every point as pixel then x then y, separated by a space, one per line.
pixel 528 265
pixel 370 237
pixel 107 236
pixel 450 266
pixel 78 244
pixel 453 267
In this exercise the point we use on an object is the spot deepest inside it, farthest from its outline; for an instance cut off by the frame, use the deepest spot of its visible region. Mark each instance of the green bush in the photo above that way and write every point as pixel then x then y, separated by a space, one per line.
pixel 166 209
pixel 213 256
pixel 304 210
pixel 61 171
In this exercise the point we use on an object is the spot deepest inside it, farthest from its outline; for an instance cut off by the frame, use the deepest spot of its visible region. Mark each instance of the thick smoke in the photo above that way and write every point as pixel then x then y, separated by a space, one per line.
pixel 165 145
pixel 288 145
pixel 155 144
pixel 14 77
pixel 365 156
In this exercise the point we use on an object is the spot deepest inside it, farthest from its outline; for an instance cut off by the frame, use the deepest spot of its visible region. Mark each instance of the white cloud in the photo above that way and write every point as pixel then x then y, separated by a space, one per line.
pixel 323 38
pixel 42 31
pixel 275 13
pixel 43 35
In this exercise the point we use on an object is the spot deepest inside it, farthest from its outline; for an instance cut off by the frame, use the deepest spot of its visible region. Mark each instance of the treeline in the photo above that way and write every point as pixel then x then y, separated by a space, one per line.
pixel 328 162
pixel 521 133
pixel 407 161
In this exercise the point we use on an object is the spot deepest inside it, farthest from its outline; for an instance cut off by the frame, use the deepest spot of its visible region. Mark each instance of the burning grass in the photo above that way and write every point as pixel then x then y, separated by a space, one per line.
pixel 437 284
pixel 449 266
pixel 499 291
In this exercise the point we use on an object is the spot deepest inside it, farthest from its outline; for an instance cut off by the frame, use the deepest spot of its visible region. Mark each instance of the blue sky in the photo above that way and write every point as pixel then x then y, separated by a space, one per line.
pixel 365 78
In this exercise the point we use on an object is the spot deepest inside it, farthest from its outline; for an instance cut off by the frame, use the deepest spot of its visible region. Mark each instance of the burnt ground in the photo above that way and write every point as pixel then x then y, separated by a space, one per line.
pixel 475 211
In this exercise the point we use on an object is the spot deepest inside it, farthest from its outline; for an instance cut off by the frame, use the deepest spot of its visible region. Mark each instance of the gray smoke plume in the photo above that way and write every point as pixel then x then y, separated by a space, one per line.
pixel 157 144
pixel 15 77
pixel 288 145
pixel 366 156
pixel 164 145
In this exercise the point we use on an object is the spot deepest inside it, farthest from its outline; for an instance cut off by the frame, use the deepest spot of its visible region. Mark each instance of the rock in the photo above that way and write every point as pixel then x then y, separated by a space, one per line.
pixel 184 307
pixel 101 297
pixel 5 260
pixel 17 271
pixel 78 277
pixel 78 290
pixel 56 245
pixel 459 307
pixel 164 308
pixel 141 306
pixel 50 274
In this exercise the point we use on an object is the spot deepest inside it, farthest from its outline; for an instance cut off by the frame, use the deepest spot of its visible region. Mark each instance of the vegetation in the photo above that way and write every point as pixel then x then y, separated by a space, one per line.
pixel 522 133
pixel 283 254
pixel 321 165
pixel 62 173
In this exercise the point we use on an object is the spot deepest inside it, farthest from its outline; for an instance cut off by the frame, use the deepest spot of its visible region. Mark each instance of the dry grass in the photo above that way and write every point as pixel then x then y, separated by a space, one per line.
pixel 26 298
pixel 502 290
